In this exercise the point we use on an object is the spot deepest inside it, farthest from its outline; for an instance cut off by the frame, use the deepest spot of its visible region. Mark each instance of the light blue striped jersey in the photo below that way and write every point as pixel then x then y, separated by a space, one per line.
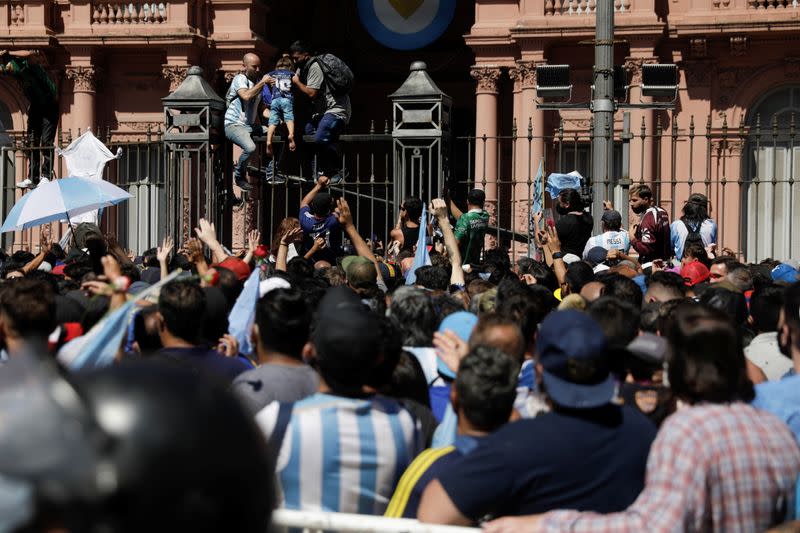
pixel 239 112
pixel 343 454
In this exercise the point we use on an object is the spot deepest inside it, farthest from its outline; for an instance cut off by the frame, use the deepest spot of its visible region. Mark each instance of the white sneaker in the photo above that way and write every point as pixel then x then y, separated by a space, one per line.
pixel 25 184
pixel 42 181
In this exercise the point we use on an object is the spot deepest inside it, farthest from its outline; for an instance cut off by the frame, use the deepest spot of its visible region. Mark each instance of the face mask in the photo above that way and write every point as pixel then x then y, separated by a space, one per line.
pixel 641 208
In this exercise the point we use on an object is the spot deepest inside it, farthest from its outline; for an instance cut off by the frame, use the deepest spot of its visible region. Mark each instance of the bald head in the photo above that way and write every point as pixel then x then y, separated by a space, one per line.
pixel 252 66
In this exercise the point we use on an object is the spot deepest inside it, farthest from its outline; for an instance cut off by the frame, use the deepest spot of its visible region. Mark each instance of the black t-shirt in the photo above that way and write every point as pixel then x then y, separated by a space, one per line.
pixel 573 232
pixel 410 237
pixel 587 460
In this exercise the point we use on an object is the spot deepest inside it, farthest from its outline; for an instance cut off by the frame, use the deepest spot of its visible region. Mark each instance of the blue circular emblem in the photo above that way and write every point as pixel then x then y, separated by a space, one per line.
pixel 406 24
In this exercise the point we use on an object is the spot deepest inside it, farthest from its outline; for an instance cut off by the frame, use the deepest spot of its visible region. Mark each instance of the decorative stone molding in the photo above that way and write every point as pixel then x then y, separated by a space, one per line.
pixel 141 125
pixel 634 67
pixel 84 78
pixel 175 74
pixel 698 73
pixel 527 73
pixel 728 78
pixel 738 46
pixel 699 47
pixel 731 146
pixel 792 67
pixel 486 77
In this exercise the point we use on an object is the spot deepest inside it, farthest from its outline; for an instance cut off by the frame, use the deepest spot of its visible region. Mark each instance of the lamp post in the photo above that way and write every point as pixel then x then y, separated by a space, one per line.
pixel 603 107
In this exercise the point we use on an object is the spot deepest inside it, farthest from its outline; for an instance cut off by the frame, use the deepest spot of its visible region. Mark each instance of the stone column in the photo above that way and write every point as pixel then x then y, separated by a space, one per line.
pixel 642 166
pixel 84 79
pixel 531 150
pixel 486 135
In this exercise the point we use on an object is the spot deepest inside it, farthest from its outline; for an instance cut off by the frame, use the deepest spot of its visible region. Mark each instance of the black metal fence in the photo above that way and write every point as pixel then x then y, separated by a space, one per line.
pixel 748 171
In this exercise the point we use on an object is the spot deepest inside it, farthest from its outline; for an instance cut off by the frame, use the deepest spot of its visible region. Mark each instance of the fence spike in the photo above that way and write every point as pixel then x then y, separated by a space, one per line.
pixel 386 127
pixel 691 126
pixel 514 128
pixel 372 127
pixel 792 131
pixel 530 128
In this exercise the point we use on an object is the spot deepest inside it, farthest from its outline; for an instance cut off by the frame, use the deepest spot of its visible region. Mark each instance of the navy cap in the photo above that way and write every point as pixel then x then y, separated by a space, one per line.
pixel 597 255
pixel 573 353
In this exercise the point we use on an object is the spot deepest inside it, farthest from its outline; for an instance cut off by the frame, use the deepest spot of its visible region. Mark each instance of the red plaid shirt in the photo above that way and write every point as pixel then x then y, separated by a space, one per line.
pixel 711 468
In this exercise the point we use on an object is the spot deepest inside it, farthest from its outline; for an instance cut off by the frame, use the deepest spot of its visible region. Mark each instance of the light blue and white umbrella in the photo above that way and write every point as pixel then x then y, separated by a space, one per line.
pixel 61 199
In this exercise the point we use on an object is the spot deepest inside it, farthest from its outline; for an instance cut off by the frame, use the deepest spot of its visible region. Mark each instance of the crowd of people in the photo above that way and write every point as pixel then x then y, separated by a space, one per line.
pixel 638 379
pixel 628 381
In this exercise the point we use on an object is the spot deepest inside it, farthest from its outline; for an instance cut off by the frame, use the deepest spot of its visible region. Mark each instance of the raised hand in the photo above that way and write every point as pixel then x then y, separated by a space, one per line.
pixel 163 251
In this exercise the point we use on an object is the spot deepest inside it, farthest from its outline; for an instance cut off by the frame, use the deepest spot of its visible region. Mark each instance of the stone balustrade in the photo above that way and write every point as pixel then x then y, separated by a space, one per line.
pixel 104 13
pixel 763 5
pixel 581 7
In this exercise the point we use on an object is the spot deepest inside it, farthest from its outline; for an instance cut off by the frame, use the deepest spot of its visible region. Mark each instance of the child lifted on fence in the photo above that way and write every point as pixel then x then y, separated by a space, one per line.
pixel 282 101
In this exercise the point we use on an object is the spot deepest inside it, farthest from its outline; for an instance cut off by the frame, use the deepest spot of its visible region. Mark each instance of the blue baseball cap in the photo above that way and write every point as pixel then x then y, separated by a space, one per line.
pixel 574 356
pixel 461 323
pixel 785 273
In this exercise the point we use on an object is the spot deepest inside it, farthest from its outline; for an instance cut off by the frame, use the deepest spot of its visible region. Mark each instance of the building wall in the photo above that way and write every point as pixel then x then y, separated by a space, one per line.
pixel 730 53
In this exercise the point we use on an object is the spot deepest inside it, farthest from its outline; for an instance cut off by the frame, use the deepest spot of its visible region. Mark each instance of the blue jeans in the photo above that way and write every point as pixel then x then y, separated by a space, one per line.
pixel 241 136
pixel 328 130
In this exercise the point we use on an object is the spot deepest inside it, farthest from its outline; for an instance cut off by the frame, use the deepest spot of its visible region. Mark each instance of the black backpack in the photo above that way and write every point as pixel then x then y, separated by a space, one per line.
pixel 694 236
pixel 337 74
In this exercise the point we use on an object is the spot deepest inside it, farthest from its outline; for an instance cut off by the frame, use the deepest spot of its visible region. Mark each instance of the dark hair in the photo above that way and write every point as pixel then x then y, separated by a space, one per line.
pixel 697 251
pixel 476 197
pixel 765 307
pixel 578 275
pixel 131 270
pixel 150 258
pixel 543 275
pixel 670 281
pixel 229 284
pixel 486 387
pixel 761 276
pixel 514 344
pixel 147 338
pixel 733 304
pixel 440 261
pixel 301 47
pixel 298 268
pixel 623 288
pixel 694 213
pixel 706 358
pixel 389 349
pixel 433 278
pixel 414 314
pixel 413 206
pixel 742 278
pixel 182 304
pixel 408 381
pixel 528 309
pixel 648 317
pixel 22 257
pixel 320 205
pixel 30 307
pixel 571 197
pixel 619 320
pixel 283 321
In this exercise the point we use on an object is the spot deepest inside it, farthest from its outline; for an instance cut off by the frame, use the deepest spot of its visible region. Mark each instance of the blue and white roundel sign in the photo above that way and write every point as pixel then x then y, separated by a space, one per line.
pixel 406 24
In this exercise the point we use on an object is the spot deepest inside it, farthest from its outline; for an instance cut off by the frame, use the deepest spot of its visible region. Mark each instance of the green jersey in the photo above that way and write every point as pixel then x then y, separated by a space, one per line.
pixel 470 230
pixel 36 84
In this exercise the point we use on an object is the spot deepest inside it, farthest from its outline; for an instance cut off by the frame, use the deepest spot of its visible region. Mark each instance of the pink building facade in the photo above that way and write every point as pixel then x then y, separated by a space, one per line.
pixel 114 60
pixel 731 134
